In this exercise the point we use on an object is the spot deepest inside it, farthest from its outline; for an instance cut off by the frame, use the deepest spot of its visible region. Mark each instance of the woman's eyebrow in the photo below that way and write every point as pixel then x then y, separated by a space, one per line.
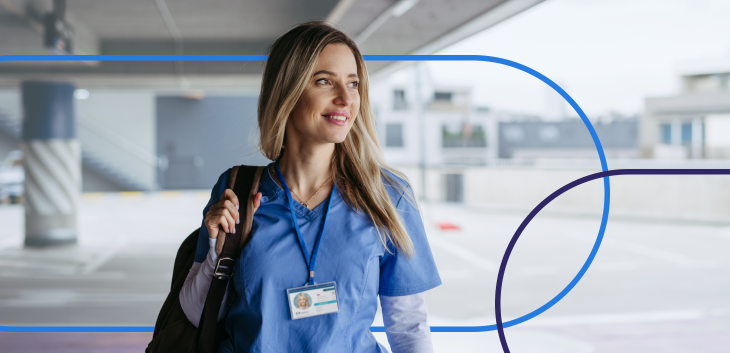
pixel 332 73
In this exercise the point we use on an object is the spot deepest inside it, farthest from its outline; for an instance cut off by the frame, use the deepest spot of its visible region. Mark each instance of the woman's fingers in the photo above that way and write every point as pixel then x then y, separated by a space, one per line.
pixel 230 200
pixel 229 195
pixel 233 211
pixel 225 223
pixel 211 222
pixel 225 214
pixel 218 218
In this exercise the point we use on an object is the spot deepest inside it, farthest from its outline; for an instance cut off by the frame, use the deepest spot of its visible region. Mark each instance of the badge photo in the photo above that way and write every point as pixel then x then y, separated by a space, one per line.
pixel 314 300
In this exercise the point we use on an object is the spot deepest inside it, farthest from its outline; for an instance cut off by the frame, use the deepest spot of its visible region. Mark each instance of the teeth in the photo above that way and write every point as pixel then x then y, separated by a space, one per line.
pixel 338 117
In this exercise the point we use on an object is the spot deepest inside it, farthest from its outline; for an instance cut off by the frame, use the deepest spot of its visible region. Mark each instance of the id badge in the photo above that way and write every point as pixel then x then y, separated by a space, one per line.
pixel 308 301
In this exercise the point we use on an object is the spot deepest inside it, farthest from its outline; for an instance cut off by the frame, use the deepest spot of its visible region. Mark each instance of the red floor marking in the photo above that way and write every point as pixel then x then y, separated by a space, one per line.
pixel 447 226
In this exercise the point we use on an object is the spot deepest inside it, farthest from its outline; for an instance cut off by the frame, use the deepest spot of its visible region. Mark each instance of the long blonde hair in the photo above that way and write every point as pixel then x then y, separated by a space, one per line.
pixel 357 163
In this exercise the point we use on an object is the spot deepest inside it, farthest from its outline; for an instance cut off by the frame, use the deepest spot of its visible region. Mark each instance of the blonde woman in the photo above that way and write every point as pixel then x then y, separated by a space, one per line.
pixel 328 201
pixel 303 301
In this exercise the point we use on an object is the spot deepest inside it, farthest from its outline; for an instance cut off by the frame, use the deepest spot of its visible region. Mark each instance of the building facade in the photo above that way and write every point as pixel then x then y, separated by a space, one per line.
pixel 694 124
pixel 432 132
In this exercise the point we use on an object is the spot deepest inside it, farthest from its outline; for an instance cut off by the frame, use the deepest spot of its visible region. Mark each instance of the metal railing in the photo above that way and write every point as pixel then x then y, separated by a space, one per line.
pixel 106 152
pixel 117 157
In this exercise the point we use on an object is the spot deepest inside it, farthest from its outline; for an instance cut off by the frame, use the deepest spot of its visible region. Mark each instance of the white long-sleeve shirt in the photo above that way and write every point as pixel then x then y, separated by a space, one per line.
pixel 405 317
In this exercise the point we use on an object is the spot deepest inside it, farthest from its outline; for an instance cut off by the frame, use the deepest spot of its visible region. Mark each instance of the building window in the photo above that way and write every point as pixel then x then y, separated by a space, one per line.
pixel 513 133
pixel 549 133
pixel 665 133
pixel 393 135
pixel 454 187
pixel 399 100
pixel 686 133
pixel 442 96
pixel 466 135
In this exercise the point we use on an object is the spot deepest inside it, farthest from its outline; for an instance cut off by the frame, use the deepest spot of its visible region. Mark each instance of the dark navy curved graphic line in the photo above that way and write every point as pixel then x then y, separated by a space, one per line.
pixel 545 202
pixel 483 58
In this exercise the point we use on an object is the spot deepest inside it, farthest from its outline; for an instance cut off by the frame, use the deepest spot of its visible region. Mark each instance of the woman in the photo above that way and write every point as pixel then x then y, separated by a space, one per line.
pixel 302 301
pixel 329 191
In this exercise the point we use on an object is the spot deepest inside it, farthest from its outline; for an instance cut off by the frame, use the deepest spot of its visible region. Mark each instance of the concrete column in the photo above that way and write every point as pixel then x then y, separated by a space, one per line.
pixel 676 136
pixel 698 142
pixel 648 134
pixel 52 162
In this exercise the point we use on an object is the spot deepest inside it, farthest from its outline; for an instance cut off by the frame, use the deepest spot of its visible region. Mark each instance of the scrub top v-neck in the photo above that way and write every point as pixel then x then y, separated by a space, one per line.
pixel 352 254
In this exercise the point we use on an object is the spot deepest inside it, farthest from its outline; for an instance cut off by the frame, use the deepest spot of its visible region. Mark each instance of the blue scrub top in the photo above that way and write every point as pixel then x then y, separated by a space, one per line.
pixel 351 253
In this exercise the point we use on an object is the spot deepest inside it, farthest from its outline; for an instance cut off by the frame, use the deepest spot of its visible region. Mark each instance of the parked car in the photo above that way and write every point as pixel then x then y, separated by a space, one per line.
pixel 12 177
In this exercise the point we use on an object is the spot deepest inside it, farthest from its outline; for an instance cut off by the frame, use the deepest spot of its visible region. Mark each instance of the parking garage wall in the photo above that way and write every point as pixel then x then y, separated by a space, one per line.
pixel 693 198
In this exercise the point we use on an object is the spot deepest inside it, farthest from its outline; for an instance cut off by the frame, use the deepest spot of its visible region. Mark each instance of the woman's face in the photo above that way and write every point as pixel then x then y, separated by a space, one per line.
pixel 302 300
pixel 330 102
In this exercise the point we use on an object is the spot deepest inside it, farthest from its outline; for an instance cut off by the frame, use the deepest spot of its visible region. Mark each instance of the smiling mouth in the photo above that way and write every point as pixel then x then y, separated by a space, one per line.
pixel 336 117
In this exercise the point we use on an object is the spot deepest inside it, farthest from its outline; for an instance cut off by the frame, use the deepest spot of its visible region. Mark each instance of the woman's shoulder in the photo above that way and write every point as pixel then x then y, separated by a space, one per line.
pixel 393 178
pixel 224 178
pixel 221 184
pixel 397 185
pixel 224 181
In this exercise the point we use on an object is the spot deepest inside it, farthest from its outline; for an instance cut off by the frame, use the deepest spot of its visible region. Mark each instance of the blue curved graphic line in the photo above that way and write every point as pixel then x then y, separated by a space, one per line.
pixel 545 202
pixel 484 58
pixel 499 326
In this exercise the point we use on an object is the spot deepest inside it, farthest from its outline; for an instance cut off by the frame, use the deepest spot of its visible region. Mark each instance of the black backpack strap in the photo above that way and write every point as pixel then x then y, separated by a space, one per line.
pixel 244 183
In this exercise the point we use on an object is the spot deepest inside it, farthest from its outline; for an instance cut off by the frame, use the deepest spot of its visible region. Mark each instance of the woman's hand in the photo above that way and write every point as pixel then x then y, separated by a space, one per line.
pixel 223 217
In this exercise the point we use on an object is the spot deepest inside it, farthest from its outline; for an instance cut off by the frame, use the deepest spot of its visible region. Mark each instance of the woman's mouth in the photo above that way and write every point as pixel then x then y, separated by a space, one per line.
pixel 336 119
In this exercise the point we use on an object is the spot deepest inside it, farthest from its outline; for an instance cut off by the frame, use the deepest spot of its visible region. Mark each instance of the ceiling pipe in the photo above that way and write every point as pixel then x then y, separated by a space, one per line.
pixel 486 20
pixel 177 39
pixel 169 20
pixel 397 10
pixel 338 11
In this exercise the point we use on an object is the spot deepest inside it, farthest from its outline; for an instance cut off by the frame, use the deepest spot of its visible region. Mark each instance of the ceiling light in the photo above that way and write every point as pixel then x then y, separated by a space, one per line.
pixel 402 7
pixel 81 94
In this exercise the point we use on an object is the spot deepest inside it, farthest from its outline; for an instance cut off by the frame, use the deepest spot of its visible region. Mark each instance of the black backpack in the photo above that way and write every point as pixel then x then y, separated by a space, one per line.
pixel 173 331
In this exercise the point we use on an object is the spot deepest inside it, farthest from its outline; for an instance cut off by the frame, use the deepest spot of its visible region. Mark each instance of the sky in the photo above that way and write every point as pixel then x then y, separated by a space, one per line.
pixel 607 54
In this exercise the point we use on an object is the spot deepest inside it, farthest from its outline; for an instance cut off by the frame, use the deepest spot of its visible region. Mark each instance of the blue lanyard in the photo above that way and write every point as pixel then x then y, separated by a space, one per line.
pixel 313 260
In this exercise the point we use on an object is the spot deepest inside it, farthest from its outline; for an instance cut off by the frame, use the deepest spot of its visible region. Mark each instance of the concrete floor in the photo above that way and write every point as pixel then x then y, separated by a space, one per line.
pixel 654 286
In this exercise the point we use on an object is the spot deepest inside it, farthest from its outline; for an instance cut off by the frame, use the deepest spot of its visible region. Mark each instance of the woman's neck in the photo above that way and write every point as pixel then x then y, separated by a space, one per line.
pixel 306 167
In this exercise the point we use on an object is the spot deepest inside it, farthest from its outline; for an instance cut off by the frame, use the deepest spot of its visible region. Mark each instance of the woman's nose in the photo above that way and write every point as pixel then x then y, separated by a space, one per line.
pixel 344 96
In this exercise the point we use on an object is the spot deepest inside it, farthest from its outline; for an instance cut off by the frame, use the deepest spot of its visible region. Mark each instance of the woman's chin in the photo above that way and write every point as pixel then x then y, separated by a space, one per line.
pixel 338 138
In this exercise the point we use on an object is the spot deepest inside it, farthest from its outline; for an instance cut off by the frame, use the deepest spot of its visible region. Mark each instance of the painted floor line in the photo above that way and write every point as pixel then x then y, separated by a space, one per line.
pixel 647 251
pixel 575 320
pixel 616 318
pixel 104 257
pixel 463 253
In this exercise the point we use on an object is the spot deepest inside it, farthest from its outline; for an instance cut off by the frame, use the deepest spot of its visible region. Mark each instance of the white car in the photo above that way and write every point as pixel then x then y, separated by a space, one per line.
pixel 12 176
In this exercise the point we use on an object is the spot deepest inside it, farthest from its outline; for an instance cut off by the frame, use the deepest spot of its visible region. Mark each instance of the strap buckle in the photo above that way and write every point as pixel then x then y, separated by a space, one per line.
pixel 223 271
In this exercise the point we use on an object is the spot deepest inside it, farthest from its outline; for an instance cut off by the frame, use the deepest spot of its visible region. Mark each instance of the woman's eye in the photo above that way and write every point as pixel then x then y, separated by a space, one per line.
pixel 324 81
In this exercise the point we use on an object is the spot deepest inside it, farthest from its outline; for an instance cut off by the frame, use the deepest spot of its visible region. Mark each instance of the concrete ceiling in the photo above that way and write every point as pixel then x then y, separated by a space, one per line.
pixel 196 19
pixel 227 27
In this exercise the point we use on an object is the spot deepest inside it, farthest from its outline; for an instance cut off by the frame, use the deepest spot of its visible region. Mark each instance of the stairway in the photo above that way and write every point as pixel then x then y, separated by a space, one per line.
pixel 93 160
